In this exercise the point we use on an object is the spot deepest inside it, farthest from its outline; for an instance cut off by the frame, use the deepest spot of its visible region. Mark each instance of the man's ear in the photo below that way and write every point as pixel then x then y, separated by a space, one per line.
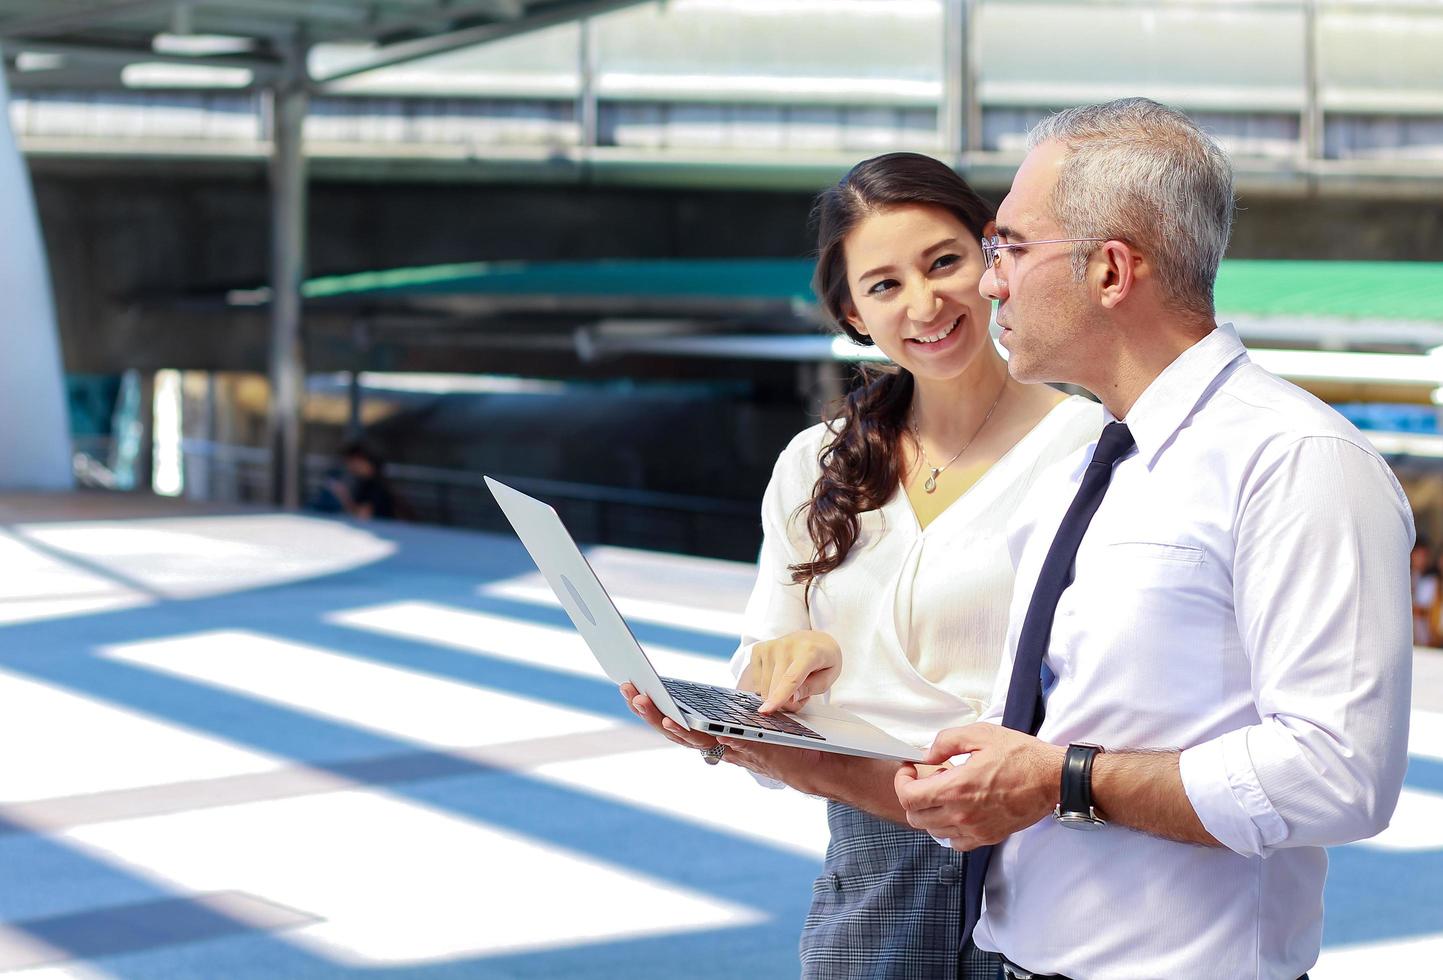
pixel 1116 269
pixel 989 229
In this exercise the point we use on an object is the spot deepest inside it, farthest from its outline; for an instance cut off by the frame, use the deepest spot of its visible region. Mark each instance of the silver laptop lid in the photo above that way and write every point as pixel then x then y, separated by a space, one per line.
pixel 580 593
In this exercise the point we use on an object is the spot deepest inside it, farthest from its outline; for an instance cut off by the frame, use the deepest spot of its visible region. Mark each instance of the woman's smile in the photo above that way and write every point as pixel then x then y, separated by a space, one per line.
pixel 937 338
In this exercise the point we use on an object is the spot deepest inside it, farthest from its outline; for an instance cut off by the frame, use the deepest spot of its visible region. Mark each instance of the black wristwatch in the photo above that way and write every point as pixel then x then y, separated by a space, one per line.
pixel 1075 809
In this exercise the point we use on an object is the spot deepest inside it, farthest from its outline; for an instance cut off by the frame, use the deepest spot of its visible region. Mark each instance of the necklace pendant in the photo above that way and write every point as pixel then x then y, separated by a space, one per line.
pixel 931 483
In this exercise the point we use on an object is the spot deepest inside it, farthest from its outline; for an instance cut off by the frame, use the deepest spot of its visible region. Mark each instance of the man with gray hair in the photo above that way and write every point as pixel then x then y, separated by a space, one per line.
pixel 1209 653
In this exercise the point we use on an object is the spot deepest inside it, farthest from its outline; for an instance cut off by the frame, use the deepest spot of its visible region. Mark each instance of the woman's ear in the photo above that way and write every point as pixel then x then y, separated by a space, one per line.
pixel 849 313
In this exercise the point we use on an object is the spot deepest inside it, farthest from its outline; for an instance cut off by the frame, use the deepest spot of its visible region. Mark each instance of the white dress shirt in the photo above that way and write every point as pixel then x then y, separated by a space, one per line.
pixel 1241 595
pixel 920 614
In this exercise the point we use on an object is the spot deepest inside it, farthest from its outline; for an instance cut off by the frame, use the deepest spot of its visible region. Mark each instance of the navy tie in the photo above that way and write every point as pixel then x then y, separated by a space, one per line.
pixel 1025 708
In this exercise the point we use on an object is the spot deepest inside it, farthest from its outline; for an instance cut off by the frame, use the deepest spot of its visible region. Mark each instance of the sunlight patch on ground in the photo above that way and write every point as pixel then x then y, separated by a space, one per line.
pixel 1398 958
pixel 676 782
pixel 704 595
pixel 394 882
pixel 35 586
pixel 634 610
pixel 190 557
pixel 79 745
pixel 375 697
pixel 555 648
pixel 1417 824
pixel 1425 734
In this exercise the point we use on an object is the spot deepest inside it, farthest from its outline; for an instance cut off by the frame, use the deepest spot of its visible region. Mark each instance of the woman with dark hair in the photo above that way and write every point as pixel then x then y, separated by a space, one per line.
pixel 885 575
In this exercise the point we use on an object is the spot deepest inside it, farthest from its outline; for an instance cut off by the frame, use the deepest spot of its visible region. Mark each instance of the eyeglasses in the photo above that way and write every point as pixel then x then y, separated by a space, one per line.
pixel 994 245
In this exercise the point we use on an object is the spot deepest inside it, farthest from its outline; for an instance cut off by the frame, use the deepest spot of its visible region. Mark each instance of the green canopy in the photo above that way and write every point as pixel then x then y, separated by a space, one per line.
pixel 754 279
pixel 1365 290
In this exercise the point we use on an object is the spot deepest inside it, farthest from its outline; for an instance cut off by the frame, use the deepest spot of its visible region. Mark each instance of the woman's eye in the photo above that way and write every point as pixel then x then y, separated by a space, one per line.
pixel 946 261
pixel 881 287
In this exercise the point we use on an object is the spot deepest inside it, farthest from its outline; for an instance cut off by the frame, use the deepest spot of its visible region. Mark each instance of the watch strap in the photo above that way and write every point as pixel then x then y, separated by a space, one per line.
pixel 1076 796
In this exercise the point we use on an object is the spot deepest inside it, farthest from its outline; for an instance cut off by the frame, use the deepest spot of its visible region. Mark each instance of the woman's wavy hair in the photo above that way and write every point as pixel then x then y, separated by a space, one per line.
pixel 861 464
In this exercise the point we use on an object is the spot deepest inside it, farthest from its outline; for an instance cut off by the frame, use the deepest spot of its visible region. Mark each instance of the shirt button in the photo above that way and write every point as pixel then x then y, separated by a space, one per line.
pixel 836 881
pixel 947 874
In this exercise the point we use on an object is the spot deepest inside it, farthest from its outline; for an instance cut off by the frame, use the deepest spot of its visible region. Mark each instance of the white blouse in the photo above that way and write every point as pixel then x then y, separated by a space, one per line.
pixel 920 614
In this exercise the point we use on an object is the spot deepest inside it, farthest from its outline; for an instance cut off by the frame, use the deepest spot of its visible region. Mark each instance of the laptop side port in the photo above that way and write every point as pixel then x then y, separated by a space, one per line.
pixel 715 728
pixel 737 731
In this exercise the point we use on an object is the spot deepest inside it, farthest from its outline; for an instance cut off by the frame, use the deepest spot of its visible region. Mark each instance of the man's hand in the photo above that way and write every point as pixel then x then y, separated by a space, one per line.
pixel 1009 782
pixel 790 669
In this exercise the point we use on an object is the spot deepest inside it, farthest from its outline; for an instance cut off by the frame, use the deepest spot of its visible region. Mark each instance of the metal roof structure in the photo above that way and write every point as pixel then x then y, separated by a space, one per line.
pixel 96 38
pixel 1335 97
pixel 99 40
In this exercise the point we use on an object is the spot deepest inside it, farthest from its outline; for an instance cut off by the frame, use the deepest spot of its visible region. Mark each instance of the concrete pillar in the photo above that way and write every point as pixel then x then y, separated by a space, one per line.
pixel 35 434
pixel 288 271
pixel 587 117
pixel 956 87
pixel 1311 132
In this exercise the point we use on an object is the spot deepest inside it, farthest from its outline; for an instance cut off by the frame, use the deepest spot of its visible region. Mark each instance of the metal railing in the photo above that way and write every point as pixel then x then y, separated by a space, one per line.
pixel 679 523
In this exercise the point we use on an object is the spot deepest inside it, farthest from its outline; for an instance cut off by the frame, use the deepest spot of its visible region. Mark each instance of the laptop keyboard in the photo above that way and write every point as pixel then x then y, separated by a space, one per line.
pixel 721 704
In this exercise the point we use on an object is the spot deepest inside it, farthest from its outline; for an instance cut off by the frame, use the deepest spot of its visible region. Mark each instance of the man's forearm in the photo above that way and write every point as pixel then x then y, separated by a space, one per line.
pixel 863 783
pixel 1144 791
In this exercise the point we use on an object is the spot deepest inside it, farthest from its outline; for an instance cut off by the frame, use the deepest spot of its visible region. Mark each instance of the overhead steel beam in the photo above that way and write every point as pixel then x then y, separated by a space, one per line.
pixel 284 14
pixel 452 15
pixel 103 78
pixel 80 19
pixel 289 10
pixel 404 51
pixel 121 56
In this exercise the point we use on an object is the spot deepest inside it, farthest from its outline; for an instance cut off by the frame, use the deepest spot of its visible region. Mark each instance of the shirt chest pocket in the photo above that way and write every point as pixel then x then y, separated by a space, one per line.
pixel 1152 591
pixel 1140 579
pixel 1158 603
pixel 1161 553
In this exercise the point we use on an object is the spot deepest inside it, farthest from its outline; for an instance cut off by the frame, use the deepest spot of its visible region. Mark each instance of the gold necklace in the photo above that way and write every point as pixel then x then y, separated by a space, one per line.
pixel 931 485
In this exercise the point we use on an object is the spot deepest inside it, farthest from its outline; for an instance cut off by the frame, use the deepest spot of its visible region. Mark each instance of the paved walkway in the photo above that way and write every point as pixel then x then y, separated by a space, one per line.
pixel 254 744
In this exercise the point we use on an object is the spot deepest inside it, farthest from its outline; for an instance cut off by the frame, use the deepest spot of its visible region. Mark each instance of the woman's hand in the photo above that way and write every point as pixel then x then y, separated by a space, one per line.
pixel 801 769
pixel 791 669
pixel 643 707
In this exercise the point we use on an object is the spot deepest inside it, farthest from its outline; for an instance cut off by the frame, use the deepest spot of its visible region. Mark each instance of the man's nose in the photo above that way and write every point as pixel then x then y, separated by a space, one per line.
pixel 992 285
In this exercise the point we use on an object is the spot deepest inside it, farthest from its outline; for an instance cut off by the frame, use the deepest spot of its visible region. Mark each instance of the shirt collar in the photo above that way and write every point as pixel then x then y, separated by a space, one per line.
pixel 1166 403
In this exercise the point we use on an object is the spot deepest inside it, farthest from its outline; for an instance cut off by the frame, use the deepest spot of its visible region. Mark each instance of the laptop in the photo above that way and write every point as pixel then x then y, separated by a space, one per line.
pixel 695 706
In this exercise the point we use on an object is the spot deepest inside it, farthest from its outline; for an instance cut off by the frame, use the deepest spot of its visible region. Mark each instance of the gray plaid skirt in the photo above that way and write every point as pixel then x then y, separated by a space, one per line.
pixel 887 906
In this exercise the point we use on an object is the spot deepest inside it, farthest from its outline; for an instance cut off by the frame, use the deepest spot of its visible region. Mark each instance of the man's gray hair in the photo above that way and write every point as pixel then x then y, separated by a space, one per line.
pixel 1147 175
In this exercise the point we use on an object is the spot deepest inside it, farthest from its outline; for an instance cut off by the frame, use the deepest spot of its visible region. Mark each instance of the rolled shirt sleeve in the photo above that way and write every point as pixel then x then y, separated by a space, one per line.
pixel 1321 590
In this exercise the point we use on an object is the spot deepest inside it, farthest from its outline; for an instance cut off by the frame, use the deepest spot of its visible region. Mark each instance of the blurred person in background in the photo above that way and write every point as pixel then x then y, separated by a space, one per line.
pixel 360 488
pixel 1423 578
pixel 1433 593
pixel 884 570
